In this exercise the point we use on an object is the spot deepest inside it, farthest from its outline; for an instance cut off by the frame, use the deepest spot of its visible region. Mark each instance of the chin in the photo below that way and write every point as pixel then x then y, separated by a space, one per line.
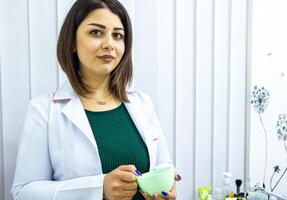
pixel 105 71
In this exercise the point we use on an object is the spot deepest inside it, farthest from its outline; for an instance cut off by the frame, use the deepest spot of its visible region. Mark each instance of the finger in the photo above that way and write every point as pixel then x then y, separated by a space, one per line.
pixel 126 176
pixel 177 177
pixel 131 186
pixel 156 197
pixel 128 168
pixel 168 195
pixel 173 189
pixel 146 196
pixel 127 194
pixel 131 168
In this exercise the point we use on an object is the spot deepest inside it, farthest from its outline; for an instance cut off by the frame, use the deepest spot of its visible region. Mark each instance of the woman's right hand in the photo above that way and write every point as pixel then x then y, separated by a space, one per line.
pixel 120 184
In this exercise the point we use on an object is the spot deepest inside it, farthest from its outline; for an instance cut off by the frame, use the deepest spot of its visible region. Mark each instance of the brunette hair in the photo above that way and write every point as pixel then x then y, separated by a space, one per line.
pixel 121 76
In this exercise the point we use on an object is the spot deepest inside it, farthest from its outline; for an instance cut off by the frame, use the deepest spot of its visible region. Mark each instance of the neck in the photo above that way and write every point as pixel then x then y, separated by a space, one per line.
pixel 99 85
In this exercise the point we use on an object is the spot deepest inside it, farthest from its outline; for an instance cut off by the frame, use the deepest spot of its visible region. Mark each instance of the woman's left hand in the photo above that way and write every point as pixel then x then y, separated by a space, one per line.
pixel 171 195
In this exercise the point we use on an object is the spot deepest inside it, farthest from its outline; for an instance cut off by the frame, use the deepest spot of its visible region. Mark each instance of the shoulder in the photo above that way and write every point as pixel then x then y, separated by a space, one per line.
pixel 144 102
pixel 38 109
pixel 41 104
pixel 60 94
pixel 138 95
pixel 42 100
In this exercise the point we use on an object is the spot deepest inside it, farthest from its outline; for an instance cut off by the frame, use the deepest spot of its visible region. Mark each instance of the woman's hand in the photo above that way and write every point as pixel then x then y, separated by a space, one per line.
pixel 120 184
pixel 171 195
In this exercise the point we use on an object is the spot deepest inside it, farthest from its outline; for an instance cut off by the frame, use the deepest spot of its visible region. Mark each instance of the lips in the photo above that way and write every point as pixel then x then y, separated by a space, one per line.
pixel 106 58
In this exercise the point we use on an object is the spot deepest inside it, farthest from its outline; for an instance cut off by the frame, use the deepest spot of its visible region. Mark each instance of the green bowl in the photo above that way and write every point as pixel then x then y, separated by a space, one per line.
pixel 158 180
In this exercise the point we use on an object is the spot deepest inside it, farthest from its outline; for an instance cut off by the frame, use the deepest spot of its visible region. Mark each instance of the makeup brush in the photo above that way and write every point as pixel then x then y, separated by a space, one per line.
pixel 238 183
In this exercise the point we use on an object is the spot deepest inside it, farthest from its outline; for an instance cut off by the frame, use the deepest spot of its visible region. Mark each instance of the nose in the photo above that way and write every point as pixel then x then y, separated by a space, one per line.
pixel 108 43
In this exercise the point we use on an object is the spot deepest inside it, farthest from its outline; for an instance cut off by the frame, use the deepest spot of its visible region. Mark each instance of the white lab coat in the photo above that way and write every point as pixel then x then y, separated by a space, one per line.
pixel 58 157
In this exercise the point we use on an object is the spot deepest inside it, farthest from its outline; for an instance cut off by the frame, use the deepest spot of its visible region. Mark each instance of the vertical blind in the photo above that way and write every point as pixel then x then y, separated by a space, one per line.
pixel 189 56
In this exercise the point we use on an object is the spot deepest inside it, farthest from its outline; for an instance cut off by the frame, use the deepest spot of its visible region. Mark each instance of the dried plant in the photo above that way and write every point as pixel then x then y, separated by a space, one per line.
pixel 281 127
pixel 259 100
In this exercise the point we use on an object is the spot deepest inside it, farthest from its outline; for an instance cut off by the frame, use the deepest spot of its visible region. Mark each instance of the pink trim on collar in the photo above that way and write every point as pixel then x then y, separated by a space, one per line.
pixel 59 100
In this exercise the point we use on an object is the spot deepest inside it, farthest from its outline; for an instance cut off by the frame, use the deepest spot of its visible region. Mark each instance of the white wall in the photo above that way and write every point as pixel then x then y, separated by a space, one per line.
pixel 269 69
pixel 1 142
pixel 189 55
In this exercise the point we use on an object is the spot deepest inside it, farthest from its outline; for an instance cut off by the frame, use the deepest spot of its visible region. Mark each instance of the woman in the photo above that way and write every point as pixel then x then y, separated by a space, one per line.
pixel 91 137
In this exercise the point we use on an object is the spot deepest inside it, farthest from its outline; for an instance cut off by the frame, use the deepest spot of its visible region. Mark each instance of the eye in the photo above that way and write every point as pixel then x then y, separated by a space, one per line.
pixel 118 36
pixel 96 32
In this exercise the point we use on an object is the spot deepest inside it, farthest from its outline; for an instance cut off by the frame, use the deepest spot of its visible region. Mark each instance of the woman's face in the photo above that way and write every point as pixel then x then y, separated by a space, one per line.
pixel 100 42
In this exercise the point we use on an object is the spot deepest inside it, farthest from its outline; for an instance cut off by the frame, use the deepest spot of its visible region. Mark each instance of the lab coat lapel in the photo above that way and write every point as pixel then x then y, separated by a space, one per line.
pixel 74 111
pixel 140 120
pixel 76 114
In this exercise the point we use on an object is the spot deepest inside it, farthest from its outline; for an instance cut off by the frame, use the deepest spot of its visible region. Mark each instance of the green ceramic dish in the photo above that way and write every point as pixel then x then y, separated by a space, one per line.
pixel 158 180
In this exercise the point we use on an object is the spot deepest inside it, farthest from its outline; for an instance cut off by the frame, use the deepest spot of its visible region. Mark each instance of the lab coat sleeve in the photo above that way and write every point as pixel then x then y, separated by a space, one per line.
pixel 33 175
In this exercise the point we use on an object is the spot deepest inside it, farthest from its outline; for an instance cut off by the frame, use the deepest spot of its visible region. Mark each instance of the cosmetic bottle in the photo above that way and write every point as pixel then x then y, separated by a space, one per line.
pixel 225 188
pixel 221 192
pixel 217 194
pixel 258 193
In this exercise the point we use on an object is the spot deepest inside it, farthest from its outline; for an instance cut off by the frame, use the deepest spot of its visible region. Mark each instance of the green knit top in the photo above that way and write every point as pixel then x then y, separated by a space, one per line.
pixel 118 140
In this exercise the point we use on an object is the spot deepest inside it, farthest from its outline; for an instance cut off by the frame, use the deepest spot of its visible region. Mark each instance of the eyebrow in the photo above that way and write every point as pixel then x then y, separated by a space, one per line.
pixel 103 27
